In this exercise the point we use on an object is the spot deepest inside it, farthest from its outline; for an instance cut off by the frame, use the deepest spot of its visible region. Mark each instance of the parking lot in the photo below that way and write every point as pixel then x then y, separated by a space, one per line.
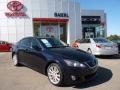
pixel 23 78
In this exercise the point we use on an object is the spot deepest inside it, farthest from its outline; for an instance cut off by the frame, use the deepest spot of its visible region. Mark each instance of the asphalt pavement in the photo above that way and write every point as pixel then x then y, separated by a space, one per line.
pixel 24 78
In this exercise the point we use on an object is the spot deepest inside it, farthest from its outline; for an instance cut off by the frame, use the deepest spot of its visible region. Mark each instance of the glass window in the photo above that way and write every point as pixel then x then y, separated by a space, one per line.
pixel 86 40
pixel 3 42
pixel 51 29
pixel 83 40
pixel 116 40
pixel 52 43
pixel 101 40
pixel 34 43
pixel 25 42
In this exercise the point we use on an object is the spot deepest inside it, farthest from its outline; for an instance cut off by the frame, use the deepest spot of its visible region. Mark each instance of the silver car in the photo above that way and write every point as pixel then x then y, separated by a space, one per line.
pixel 97 46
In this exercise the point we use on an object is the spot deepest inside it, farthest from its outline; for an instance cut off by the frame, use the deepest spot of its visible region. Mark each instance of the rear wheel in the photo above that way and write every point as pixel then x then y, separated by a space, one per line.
pixel 55 74
pixel 15 60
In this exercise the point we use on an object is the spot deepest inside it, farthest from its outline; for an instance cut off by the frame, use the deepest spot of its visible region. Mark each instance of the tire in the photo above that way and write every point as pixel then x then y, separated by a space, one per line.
pixel 89 51
pixel 54 74
pixel 15 60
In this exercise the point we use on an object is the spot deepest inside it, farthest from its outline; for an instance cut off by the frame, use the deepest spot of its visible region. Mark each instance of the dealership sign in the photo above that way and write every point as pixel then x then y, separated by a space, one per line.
pixel 16 8
pixel 61 14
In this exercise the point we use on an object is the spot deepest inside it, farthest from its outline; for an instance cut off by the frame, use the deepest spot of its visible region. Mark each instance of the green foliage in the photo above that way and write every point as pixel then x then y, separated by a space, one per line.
pixel 113 37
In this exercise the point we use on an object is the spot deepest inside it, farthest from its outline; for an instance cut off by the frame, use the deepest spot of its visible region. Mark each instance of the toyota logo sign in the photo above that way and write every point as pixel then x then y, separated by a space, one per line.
pixel 15 6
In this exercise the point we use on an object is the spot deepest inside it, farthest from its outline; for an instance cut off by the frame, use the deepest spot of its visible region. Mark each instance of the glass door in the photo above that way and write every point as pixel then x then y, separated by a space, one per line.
pixel 89 32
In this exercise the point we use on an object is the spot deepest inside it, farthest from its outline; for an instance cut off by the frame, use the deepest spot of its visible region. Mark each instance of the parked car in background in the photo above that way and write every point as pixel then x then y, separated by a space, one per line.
pixel 5 46
pixel 97 46
pixel 54 58
pixel 118 43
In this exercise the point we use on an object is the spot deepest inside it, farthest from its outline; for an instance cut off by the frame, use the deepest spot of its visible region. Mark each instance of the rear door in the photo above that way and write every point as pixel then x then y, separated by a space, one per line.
pixel 24 51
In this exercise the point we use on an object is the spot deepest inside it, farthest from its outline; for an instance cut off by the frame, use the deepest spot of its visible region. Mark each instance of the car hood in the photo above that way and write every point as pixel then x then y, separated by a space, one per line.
pixel 72 54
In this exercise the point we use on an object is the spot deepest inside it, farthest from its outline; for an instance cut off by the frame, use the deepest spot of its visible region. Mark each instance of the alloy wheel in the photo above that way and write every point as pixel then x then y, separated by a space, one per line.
pixel 54 74
pixel 15 61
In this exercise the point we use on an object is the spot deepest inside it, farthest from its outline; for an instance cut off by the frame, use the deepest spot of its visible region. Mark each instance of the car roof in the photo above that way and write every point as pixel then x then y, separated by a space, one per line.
pixel 37 37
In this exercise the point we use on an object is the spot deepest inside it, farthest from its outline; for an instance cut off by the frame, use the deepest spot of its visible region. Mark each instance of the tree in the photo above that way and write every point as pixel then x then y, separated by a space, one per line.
pixel 112 37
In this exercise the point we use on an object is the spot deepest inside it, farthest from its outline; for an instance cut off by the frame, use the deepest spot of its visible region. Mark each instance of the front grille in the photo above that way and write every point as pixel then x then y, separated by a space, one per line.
pixel 92 63
pixel 90 76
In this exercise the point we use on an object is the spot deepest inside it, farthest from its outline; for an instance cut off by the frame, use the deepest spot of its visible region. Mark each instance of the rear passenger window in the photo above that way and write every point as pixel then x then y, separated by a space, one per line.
pixel 34 43
pixel 80 40
pixel 25 42
pixel 2 42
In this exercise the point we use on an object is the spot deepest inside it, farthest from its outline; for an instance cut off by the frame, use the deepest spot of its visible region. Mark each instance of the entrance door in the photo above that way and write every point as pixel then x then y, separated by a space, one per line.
pixel 89 35
pixel 89 32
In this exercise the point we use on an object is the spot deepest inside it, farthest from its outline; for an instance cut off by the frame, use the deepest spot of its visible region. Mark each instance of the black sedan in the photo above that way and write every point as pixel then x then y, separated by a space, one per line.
pixel 54 58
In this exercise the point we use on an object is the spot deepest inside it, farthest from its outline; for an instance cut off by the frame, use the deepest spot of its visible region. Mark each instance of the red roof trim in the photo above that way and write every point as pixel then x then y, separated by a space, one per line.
pixel 51 19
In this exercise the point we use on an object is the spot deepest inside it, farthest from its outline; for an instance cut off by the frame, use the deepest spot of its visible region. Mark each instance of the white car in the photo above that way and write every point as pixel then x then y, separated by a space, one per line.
pixel 98 46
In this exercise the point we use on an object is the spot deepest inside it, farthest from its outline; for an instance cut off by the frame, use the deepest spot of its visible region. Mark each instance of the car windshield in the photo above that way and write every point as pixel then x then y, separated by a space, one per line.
pixel 101 40
pixel 52 42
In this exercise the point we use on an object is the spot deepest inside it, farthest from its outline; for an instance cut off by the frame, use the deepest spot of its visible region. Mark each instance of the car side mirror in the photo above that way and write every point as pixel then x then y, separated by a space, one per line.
pixel 36 48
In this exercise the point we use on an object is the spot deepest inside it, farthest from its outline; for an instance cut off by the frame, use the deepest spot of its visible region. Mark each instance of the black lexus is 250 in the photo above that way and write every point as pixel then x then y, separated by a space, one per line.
pixel 55 59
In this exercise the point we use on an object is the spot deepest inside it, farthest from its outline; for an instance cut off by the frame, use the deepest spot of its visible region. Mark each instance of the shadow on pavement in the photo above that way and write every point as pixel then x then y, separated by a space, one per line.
pixel 103 75
pixel 109 57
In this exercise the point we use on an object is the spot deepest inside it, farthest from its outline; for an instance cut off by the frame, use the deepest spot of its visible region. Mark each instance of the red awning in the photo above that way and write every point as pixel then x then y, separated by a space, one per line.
pixel 51 19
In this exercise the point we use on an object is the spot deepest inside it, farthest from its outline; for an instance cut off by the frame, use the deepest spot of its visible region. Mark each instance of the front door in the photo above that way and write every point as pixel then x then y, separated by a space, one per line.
pixel 37 56
pixel 89 32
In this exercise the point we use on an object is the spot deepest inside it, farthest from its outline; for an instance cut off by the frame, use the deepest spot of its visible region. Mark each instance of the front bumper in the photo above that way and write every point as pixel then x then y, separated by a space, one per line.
pixel 79 74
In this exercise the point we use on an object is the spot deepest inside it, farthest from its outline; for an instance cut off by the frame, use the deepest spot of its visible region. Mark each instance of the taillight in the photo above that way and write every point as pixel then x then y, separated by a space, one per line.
pixel 98 45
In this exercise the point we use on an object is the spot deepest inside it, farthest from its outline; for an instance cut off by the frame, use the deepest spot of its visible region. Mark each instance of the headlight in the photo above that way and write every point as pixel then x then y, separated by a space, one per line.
pixel 73 63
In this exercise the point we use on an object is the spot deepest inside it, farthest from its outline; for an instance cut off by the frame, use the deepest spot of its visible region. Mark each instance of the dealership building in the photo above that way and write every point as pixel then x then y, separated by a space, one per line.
pixel 63 19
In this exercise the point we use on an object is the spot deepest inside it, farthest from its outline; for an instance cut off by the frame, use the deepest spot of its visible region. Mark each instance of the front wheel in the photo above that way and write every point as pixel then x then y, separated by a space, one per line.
pixel 54 73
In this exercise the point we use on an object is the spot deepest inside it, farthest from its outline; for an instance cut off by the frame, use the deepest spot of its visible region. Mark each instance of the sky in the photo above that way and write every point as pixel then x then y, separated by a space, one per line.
pixel 111 8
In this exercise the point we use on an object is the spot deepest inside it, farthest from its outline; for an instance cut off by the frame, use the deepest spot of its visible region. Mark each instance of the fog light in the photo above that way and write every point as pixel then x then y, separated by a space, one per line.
pixel 73 77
